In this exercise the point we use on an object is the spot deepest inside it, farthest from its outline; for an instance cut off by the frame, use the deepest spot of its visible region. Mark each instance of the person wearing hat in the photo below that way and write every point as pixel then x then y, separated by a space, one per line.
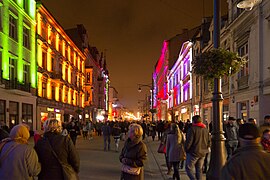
pixel 18 159
pixel 197 146
pixel 249 161
pixel 231 135
pixel 53 144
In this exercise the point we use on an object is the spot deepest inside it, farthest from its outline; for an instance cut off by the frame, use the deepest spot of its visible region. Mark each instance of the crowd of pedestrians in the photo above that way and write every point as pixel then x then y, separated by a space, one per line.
pixel 187 144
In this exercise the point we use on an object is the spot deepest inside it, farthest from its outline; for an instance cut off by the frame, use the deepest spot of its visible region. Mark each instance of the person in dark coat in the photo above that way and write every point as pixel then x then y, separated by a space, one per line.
pixel 249 161
pixel 106 132
pixel 231 135
pixel 134 152
pixel 197 145
pixel 62 146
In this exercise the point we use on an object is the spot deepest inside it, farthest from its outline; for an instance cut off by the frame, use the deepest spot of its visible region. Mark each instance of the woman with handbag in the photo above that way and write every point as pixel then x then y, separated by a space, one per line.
pixel 175 151
pixel 133 154
pixel 56 153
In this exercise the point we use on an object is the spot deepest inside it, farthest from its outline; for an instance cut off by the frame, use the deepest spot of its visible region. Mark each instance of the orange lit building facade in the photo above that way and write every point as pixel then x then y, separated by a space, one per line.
pixel 61 67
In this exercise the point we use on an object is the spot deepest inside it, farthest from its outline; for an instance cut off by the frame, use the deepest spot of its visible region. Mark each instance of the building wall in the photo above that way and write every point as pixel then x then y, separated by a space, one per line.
pixel 61 69
pixel 17 59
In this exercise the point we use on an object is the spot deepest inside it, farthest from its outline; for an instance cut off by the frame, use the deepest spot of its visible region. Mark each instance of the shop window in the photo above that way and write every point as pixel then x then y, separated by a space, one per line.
pixel 13 114
pixel 27 114
pixel 2 110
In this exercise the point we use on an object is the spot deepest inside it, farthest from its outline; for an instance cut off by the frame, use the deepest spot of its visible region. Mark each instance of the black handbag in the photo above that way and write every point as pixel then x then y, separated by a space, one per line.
pixel 68 171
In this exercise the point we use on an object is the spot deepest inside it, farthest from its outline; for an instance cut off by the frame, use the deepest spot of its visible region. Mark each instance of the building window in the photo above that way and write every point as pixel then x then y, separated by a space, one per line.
pixel 44 31
pixel 2 110
pixel 53 92
pixel 52 63
pixel 25 6
pixel 13 114
pixel 44 60
pixel 26 73
pixel 197 86
pixel 88 77
pixel 243 52
pixel 12 27
pixel 60 48
pixel 27 114
pixel 12 69
pixel 44 89
pixel 26 37
pixel 1 15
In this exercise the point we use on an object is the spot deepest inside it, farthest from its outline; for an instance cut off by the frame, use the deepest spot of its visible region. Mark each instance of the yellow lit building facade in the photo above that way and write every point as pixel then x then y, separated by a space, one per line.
pixel 61 67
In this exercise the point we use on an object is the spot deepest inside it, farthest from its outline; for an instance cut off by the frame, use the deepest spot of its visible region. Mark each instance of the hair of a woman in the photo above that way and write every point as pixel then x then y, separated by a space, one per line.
pixel 175 130
pixel 136 129
pixel 53 125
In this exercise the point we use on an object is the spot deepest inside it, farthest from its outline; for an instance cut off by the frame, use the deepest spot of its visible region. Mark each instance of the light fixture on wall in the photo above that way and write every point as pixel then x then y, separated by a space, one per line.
pixel 248 4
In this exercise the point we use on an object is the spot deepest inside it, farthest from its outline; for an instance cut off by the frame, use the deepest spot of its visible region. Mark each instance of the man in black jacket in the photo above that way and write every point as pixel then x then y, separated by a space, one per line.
pixel 196 146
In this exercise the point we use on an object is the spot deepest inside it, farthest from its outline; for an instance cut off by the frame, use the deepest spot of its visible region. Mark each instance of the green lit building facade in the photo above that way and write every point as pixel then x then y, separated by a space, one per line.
pixel 18 62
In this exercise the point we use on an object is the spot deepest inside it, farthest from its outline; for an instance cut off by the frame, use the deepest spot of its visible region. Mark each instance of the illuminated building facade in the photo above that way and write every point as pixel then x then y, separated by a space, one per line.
pixel 61 71
pixel 18 62
pixel 180 83
pixel 93 72
pixel 160 84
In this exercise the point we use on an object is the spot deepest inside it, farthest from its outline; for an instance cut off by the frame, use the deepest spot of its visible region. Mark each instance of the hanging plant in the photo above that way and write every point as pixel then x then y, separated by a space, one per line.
pixel 217 63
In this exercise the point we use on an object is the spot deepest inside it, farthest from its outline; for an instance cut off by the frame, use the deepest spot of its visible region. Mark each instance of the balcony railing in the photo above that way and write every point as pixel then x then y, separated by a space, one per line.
pixel 242 82
pixel 14 84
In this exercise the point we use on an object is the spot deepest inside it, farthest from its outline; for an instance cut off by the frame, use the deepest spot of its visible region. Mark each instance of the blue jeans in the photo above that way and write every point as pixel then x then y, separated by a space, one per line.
pixel 194 162
pixel 107 142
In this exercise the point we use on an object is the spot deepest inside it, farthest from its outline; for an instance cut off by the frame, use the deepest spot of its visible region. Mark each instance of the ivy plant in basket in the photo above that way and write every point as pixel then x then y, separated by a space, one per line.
pixel 217 63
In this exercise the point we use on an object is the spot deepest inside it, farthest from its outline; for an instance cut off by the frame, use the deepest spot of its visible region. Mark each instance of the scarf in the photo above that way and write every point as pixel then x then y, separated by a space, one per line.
pixel 199 124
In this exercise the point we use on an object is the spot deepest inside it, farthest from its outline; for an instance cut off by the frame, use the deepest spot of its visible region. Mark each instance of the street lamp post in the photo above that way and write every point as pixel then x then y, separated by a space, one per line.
pixel 218 152
pixel 152 97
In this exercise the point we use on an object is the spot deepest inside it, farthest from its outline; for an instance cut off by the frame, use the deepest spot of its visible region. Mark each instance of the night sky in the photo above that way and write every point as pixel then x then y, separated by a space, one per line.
pixel 132 32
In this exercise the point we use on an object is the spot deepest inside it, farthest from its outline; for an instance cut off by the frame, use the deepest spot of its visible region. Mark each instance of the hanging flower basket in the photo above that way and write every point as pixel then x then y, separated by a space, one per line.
pixel 217 63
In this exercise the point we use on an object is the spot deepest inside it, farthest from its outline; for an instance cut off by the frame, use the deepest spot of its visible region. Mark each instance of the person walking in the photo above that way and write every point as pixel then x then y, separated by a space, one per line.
pixel 116 132
pixel 53 142
pixel 249 161
pixel 74 131
pixel 18 159
pixel 197 145
pixel 133 154
pixel 174 148
pixel 106 131
pixel 167 129
pixel 231 135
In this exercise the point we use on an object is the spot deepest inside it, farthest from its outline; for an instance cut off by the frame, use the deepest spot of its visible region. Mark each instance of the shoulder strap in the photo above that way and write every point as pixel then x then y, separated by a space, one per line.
pixel 54 153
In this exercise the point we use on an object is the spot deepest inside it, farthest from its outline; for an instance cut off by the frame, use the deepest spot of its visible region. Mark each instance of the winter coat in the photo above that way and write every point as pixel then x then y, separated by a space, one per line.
pixel 173 149
pixel 65 150
pixel 136 153
pixel 248 162
pixel 21 162
pixel 231 134
pixel 197 140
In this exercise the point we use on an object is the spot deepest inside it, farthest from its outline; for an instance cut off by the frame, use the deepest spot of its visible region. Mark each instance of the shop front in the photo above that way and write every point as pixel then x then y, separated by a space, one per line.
pixel 45 113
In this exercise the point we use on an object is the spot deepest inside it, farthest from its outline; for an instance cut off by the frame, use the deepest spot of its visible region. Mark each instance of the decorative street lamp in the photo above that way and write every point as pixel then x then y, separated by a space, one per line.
pixel 152 97
pixel 218 151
